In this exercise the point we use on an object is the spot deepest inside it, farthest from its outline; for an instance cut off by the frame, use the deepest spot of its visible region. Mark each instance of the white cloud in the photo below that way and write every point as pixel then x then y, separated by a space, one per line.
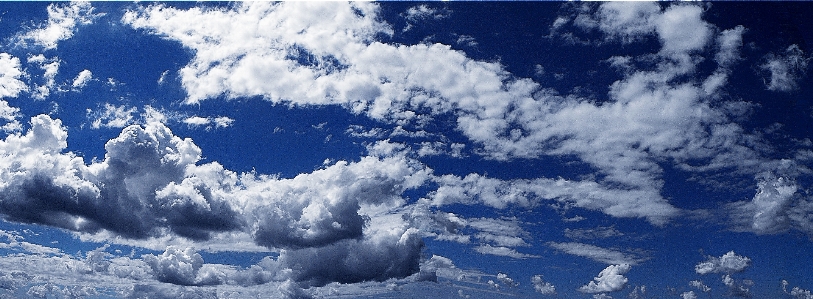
pixel 652 116
pixel 196 121
pixel 688 295
pixel 111 116
pixel 82 79
pixel 218 122
pixel 175 265
pixel 785 69
pixel 149 186
pixel 700 286
pixel 541 286
pixel 62 22
pixel 502 251
pixel 50 67
pixel 727 263
pixel 610 279
pixel 477 189
pixel 599 254
pixel 10 74
pixel 768 212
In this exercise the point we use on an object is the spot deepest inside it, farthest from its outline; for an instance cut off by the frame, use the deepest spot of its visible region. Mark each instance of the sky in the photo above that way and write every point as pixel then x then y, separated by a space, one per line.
pixel 406 150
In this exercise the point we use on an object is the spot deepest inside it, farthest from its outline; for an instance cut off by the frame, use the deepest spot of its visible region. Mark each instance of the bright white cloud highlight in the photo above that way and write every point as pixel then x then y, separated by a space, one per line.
pixel 610 279
pixel 62 22
pixel 82 79
pixel 728 263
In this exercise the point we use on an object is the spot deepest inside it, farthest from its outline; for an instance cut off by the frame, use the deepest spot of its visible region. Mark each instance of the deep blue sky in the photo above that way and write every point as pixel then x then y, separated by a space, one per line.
pixel 406 149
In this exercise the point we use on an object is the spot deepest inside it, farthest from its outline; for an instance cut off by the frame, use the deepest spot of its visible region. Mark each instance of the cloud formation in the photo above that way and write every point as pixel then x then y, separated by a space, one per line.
pixel 786 69
pixel 149 185
pixel 610 279
pixel 727 263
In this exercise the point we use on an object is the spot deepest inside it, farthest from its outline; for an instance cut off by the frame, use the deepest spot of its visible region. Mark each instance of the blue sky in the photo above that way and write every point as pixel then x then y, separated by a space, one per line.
pixel 405 150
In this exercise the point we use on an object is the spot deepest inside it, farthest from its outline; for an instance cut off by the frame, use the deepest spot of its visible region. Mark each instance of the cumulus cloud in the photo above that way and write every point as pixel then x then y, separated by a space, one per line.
pixel 727 263
pixel 62 22
pixel 541 286
pixel 599 254
pixel 10 74
pixel 653 114
pixel 50 68
pixel 768 212
pixel 82 79
pixel 610 279
pixel 786 69
pixel 335 224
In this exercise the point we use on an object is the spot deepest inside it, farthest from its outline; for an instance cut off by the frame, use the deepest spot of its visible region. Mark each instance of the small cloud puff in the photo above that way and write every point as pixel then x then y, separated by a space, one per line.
pixel 82 79
pixel 728 263
pixel 610 279
pixel 541 286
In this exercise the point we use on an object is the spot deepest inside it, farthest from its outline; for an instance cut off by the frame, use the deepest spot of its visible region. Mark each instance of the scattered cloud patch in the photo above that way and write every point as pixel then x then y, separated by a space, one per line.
pixel 727 263
pixel 610 279
pixel 62 22
pixel 82 79
pixel 541 286
pixel 786 69
pixel 599 254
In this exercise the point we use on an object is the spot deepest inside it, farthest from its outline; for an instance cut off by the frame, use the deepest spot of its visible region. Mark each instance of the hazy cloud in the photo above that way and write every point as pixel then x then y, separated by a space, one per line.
pixel 786 69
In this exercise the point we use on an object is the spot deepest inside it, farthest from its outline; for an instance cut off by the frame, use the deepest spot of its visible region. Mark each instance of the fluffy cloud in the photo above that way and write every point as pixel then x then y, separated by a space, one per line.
pixel 786 69
pixel 652 115
pixel 768 212
pixel 175 265
pixel 602 255
pixel 728 263
pixel 610 279
pixel 541 286
pixel 82 79
pixel 218 122
pixel 10 74
pixel 62 22
pixel 335 223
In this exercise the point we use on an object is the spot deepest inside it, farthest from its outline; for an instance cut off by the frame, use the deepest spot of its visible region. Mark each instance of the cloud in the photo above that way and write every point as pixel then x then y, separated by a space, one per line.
pixel 769 211
pixel 478 189
pixel 111 116
pixel 82 79
pixel 599 254
pixel 786 69
pixel 655 114
pixel 541 286
pixel 688 295
pixel 610 279
pixel 592 234
pixel 50 67
pixel 149 186
pixel 62 22
pixel 10 74
pixel 175 265
pixel 502 251
pixel 218 122
pixel 727 263
pixel 700 286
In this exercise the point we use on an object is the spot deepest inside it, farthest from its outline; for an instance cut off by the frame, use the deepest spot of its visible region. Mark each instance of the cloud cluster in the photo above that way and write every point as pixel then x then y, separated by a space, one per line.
pixel 149 185
pixel 62 22
pixel 653 115
pixel 727 263
pixel 541 286
pixel 786 69
pixel 610 279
